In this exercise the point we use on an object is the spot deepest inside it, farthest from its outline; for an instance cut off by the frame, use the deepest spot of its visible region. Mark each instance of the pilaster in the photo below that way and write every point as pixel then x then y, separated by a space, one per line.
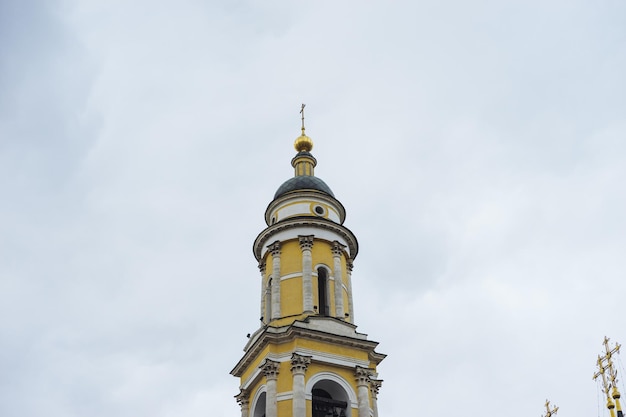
pixel 375 385
pixel 299 365
pixel 263 316
pixel 337 251
pixel 270 370
pixel 362 376
pixel 349 266
pixel 243 399
pixel 306 244
pixel 275 250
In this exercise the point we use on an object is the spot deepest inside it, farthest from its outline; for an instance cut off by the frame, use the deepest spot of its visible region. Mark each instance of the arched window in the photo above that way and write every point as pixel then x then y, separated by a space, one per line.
pixel 259 406
pixel 322 291
pixel 329 400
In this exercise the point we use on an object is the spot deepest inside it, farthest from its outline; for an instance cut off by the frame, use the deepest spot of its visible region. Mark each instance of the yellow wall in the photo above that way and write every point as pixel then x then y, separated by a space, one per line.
pixel 291 288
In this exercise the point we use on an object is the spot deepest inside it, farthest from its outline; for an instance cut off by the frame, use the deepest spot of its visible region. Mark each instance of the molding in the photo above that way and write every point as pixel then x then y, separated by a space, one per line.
pixel 262 390
pixel 305 222
pixel 284 396
pixel 330 376
pixel 309 329
pixel 306 195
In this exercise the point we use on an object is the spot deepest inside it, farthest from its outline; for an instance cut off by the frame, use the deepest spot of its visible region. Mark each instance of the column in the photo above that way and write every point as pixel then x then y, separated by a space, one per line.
pixel 374 387
pixel 270 369
pixel 337 251
pixel 306 243
pixel 362 382
pixel 299 365
pixel 349 267
pixel 243 399
pixel 264 318
pixel 275 249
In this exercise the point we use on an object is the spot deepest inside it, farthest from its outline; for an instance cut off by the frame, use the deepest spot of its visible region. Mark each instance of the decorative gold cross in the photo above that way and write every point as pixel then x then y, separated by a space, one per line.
pixel 609 363
pixel 550 413
pixel 302 113
pixel 605 385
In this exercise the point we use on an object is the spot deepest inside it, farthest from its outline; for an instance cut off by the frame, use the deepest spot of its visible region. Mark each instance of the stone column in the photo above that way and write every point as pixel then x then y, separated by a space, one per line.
pixel 306 243
pixel 243 399
pixel 349 267
pixel 263 317
pixel 275 249
pixel 299 364
pixel 362 382
pixel 337 251
pixel 270 369
pixel 374 387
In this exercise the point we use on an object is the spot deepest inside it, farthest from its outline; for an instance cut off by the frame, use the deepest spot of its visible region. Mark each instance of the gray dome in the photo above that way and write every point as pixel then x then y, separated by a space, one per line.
pixel 303 182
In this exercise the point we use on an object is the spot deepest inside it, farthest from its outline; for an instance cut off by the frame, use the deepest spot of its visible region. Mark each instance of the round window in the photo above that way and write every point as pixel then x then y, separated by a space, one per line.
pixel 319 210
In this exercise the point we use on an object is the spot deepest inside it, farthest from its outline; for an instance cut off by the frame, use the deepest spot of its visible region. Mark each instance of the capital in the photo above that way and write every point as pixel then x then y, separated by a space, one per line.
pixel 306 242
pixel 270 368
pixel 337 248
pixel 362 376
pixel 275 248
pixel 299 363
pixel 349 265
pixel 243 398
pixel 262 267
pixel 375 385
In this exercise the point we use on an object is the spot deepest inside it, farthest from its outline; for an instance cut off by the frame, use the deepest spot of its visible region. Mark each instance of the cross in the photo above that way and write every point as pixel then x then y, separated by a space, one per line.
pixel 607 358
pixel 606 386
pixel 302 113
pixel 610 352
pixel 550 413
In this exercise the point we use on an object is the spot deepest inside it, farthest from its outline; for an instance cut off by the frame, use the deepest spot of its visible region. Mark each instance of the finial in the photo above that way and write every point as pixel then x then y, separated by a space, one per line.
pixel 302 113
pixel 612 379
pixel 303 143
pixel 550 412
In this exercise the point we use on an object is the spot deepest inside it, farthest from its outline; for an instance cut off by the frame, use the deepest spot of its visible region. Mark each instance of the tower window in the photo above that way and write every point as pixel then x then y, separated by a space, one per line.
pixel 327 401
pixel 319 210
pixel 322 291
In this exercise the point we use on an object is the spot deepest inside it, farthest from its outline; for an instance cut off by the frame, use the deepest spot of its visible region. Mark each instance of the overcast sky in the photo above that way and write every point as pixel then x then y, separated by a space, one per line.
pixel 478 147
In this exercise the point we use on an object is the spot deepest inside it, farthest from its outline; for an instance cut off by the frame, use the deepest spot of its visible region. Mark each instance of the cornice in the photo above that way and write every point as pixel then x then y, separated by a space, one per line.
pixel 296 222
pixel 305 194
pixel 299 329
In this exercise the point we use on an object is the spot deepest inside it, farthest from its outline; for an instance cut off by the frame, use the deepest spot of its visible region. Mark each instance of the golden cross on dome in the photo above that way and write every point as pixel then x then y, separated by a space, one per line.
pixel 302 113
pixel 550 412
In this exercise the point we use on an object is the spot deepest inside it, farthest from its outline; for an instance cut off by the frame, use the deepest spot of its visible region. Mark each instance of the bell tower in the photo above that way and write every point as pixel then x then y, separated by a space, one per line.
pixel 307 359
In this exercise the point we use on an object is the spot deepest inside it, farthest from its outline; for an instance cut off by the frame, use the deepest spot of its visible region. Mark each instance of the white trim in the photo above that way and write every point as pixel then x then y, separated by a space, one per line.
pixel 326 267
pixel 320 357
pixel 321 376
pixel 262 389
pixel 284 396
pixel 289 276
pixel 251 379
pixel 320 234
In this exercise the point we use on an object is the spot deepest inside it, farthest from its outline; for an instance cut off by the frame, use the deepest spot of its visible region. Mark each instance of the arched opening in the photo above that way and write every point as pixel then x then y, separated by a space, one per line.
pixel 322 291
pixel 259 407
pixel 329 399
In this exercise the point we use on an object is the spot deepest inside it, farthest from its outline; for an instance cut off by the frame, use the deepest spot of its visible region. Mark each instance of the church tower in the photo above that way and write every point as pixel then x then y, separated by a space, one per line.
pixel 307 359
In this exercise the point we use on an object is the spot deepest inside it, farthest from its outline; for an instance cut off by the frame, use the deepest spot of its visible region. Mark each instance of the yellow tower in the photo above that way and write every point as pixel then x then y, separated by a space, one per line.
pixel 307 359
